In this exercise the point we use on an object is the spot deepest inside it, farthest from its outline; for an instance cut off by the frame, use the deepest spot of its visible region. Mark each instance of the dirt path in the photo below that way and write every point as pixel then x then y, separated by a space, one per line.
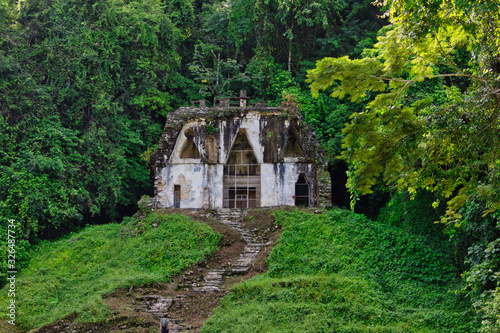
pixel 188 301
pixel 203 288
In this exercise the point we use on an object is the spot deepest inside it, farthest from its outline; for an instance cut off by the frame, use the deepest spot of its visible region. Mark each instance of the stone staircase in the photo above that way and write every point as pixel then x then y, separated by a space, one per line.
pixel 213 280
pixel 232 218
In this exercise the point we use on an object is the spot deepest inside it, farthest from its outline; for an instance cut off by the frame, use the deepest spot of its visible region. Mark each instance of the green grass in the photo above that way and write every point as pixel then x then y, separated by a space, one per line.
pixel 340 272
pixel 72 274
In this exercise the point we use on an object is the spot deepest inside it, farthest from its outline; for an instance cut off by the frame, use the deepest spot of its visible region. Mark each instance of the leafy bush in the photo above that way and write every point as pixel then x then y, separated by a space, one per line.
pixel 416 215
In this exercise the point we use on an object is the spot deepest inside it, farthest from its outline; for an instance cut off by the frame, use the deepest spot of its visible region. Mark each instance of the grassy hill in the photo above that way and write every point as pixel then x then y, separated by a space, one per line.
pixel 330 272
pixel 71 275
pixel 340 272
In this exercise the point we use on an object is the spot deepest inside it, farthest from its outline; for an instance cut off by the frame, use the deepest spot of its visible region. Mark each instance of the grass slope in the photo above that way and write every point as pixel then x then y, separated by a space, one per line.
pixel 71 275
pixel 340 272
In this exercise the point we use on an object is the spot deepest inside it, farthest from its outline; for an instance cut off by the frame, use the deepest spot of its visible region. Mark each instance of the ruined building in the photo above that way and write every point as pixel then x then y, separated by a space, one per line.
pixel 238 156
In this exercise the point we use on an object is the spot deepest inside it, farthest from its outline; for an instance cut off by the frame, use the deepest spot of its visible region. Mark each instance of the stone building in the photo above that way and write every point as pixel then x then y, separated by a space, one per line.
pixel 238 156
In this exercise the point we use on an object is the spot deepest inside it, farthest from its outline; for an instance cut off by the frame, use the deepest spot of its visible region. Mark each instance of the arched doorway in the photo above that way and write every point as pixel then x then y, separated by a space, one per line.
pixel 302 191
pixel 241 176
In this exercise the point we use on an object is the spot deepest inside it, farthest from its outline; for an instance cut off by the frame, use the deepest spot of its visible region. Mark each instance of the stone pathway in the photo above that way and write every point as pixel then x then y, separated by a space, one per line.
pixel 213 280
pixel 232 218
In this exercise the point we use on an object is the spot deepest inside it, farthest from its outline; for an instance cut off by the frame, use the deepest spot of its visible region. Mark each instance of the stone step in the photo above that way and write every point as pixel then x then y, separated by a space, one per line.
pixel 240 270
pixel 175 328
pixel 217 277
pixel 206 289
pixel 148 298
pixel 247 260
pixel 252 248
pixel 257 244
pixel 217 271
pixel 248 257
pixel 213 283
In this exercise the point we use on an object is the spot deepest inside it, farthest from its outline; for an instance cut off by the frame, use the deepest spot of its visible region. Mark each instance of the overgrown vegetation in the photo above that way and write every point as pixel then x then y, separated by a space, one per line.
pixel 85 87
pixel 432 122
pixel 72 275
pixel 340 272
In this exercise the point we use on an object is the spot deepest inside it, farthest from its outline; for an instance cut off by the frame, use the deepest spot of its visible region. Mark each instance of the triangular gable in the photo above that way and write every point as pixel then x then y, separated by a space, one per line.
pixel 241 152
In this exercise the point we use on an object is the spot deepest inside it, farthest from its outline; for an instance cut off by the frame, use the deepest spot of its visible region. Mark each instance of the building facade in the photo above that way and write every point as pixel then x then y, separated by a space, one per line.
pixel 238 156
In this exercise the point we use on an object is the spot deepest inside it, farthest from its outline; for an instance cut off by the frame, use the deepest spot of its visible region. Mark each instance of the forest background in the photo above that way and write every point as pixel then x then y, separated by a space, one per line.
pixel 85 87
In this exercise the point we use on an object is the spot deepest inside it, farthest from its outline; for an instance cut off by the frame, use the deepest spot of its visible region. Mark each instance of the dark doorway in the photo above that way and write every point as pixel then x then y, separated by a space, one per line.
pixel 338 175
pixel 177 196
pixel 302 191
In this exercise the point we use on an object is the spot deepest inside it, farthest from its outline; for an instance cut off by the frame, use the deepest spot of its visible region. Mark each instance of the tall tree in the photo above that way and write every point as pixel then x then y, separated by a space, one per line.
pixel 432 123
pixel 445 141
pixel 82 84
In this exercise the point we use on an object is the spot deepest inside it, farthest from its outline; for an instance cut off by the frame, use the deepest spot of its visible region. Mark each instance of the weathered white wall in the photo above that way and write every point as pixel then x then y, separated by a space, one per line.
pixel 201 185
pixel 278 183
pixel 175 158
pixel 215 186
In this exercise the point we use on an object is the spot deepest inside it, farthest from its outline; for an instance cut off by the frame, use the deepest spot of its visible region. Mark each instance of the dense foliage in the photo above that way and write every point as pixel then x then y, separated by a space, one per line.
pixel 85 87
pixel 73 274
pixel 82 85
pixel 443 139
pixel 341 272
pixel 432 121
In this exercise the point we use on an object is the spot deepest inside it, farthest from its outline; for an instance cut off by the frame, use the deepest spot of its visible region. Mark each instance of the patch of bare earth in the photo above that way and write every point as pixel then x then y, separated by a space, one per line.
pixel 188 309
pixel 6 327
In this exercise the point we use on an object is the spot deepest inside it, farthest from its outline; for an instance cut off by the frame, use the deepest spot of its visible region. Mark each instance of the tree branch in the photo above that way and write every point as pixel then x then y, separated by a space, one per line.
pixel 452 64
pixel 431 77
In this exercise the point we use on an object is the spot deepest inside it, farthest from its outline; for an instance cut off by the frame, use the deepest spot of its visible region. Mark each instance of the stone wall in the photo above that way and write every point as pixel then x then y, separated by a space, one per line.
pixel 200 170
